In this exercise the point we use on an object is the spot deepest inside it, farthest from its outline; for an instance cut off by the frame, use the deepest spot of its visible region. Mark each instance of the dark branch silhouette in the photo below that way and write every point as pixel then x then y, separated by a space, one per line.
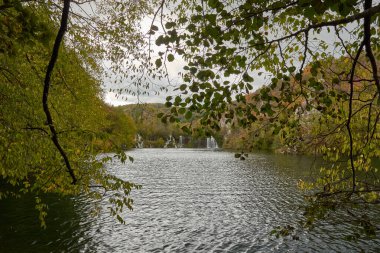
pixel 49 71
pixel 365 14
pixel 367 42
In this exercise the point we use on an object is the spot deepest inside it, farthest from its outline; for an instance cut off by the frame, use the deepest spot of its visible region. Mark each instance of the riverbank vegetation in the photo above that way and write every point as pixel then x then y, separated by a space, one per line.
pixel 53 121
pixel 158 133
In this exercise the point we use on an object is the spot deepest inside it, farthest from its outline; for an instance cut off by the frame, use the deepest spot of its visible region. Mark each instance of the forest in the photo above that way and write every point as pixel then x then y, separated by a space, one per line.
pixel 291 77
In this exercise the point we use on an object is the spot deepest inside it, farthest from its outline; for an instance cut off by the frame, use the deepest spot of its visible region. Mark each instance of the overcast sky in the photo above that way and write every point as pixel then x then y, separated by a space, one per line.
pixel 174 67
pixel 111 97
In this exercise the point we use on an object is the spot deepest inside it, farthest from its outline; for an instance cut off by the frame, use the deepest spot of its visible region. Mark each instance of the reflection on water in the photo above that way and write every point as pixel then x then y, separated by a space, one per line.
pixel 192 200
pixel 68 225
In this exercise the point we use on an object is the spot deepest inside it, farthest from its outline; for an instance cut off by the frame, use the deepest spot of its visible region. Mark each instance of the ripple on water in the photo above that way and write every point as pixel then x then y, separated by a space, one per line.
pixel 194 201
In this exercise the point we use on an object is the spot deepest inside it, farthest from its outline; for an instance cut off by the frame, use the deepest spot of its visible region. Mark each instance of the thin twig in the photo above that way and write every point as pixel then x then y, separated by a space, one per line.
pixel 348 124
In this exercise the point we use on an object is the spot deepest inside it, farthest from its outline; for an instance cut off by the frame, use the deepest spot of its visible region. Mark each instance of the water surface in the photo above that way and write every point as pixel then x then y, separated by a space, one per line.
pixel 192 201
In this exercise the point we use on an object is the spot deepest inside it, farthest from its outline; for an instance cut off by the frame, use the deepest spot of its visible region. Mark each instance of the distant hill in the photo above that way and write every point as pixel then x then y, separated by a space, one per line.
pixel 156 134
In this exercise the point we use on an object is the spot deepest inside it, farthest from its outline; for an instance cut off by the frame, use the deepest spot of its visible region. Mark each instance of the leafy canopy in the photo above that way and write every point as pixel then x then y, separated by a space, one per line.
pixel 319 63
pixel 53 121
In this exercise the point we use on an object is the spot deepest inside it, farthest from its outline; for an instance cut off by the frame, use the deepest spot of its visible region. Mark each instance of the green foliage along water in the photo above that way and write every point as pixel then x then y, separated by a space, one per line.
pixel 84 126
pixel 155 132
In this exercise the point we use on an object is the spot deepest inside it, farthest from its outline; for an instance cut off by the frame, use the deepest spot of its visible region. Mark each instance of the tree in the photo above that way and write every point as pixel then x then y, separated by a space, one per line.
pixel 45 146
pixel 320 60
pixel 121 130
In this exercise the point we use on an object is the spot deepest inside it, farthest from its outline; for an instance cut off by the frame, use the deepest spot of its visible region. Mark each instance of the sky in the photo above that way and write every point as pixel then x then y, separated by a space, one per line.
pixel 112 98
pixel 154 95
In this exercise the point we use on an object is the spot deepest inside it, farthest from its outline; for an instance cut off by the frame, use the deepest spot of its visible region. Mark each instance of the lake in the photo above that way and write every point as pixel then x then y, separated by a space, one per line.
pixel 192 200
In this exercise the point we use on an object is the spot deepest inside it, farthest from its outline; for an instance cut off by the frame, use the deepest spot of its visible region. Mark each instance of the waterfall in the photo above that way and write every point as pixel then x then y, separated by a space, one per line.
pixel 139 141
pixel 170 141
pixel 211 143
pixel 180 144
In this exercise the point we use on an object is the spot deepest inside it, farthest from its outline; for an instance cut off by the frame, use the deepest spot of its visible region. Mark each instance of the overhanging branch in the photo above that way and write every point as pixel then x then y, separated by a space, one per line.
pixel 49 71
pixel 367 43
pixel 367 13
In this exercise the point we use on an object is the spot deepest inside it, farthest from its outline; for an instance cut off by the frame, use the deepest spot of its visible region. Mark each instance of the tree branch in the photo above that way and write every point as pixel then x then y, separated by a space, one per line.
pixel 367 42
pixel 45 95
pixel 367 13
pixel 36 128
pixel 348 124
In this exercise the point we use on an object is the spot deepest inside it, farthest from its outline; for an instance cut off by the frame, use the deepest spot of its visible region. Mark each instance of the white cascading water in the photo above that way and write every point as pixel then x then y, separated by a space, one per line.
pixel 211 143
pixel 171 141
pixel 139 141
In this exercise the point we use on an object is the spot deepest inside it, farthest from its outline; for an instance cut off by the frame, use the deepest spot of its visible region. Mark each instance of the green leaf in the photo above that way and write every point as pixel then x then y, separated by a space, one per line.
pixel 181 110
pixel 177 100
pixel 213 3
pixel 170 25
pixel 183 87
pixel 188 115
pixel 291 69
pixel 158 63
pixel 120 219
pixel 194 88
pixel 170 57
pixel 160 40
pixel 247 77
